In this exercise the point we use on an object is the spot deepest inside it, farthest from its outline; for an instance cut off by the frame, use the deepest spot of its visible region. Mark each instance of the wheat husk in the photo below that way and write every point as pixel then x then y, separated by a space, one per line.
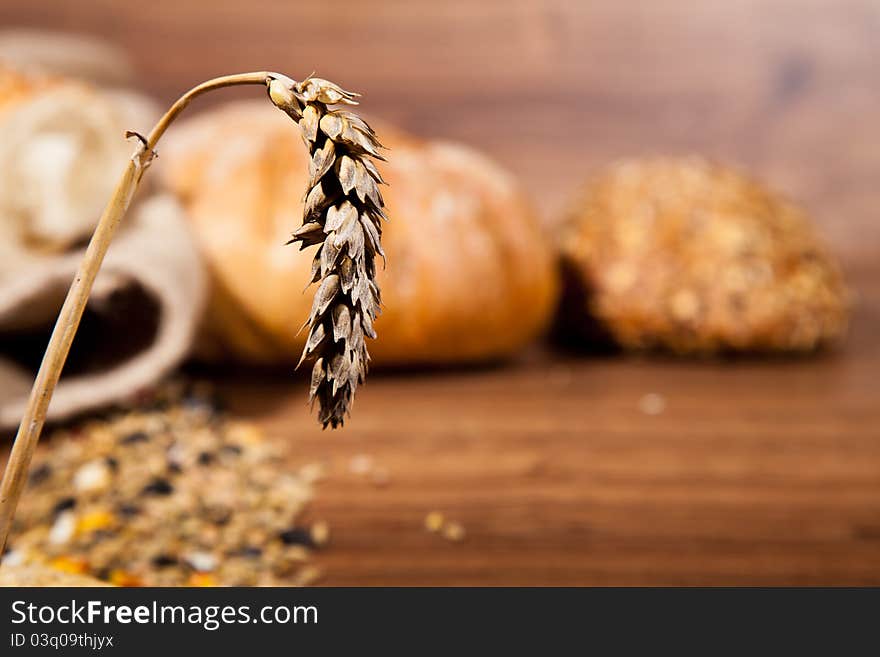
pixel 342 215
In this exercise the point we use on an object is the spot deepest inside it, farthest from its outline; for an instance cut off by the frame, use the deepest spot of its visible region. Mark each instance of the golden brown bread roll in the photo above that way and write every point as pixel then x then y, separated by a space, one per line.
pixel 470 275
pixel 693 257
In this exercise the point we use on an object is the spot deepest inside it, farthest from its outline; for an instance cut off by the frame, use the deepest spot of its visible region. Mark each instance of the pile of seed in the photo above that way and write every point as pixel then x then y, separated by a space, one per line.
pixel 170 494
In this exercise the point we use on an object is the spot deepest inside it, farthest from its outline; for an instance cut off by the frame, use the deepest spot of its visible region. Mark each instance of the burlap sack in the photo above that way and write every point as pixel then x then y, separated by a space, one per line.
pixel 139 324
pixel 61 152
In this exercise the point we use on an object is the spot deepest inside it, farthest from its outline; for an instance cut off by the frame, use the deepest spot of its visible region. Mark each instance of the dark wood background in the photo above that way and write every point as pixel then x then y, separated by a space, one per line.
pixel 756 472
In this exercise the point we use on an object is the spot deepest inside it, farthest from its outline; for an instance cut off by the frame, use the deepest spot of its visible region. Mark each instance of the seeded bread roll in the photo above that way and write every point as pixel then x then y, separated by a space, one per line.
pixel 695 258
pixel 470 275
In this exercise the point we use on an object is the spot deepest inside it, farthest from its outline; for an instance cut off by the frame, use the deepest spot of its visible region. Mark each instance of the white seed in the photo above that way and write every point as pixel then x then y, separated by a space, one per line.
pixel 63 529
pixel 91 477
pixel 202 561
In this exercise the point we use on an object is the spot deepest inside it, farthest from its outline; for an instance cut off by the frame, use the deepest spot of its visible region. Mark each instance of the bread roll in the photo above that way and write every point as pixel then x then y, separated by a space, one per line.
pixel 61 152
pixel 695 258
pixel 470 276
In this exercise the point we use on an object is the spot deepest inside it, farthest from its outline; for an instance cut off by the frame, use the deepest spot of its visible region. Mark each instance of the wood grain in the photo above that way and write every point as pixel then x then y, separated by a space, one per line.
pixel 756 472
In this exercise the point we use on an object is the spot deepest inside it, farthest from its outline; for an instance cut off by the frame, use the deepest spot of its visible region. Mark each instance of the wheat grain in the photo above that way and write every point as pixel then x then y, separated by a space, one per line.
pixel 342 214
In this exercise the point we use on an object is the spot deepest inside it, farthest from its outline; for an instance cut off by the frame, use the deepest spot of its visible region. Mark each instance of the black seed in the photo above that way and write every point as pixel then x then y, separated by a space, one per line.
pixel 112 463
pixel 158 487
pixel 64 505
pixel 218 403
pixel 232 448
pixel 206 458
pixel 136 437
pixel 164 560
pixel 129 510
pixel 158 404
pixel 40 474
pixel 296 536
pixel 251 551
pixel 174 468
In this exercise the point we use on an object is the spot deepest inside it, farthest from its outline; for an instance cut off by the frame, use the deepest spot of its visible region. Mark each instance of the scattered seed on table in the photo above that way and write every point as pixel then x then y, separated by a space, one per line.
pixel 434 521
pixel 132 499
pixel 320 533
pixel 453 531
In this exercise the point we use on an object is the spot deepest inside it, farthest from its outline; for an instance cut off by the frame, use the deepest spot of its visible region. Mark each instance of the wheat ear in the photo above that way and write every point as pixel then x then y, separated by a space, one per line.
pixel 342 213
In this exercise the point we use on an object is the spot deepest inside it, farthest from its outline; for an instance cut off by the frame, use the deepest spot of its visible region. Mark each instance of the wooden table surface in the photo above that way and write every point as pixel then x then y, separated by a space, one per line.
pixel 755 472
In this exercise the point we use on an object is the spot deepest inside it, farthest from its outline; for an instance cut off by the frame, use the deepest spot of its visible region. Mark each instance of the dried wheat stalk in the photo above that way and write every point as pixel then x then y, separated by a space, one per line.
pixel 342 214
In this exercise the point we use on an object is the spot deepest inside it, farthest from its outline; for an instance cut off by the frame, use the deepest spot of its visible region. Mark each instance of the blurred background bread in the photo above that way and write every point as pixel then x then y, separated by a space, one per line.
pixel 694 257
pixel 61 151
pixel 470 273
